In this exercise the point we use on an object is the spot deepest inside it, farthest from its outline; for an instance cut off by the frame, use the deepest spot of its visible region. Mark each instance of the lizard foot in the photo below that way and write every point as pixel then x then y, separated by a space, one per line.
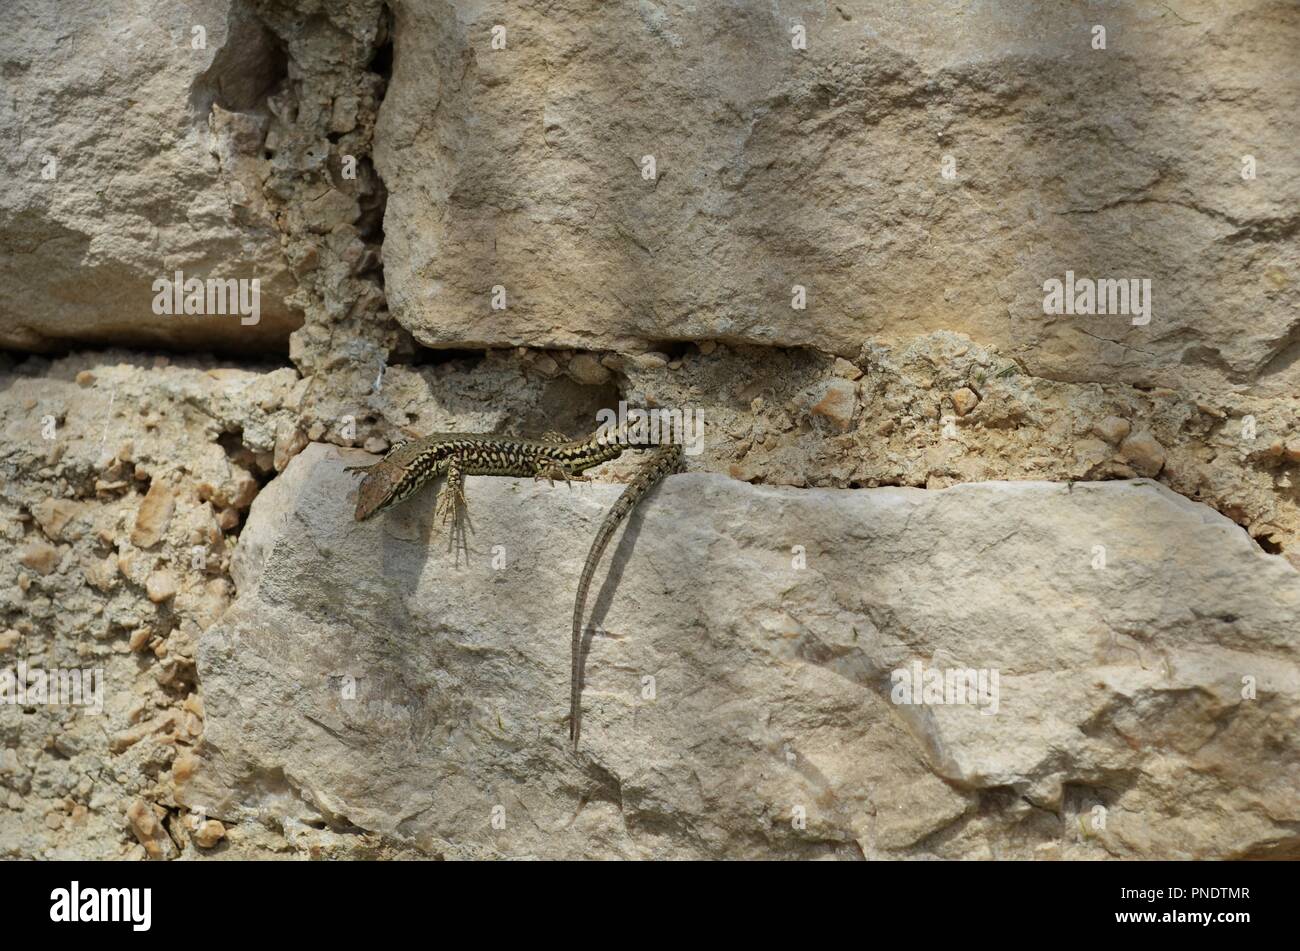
pixel 451 502
pixel 552 471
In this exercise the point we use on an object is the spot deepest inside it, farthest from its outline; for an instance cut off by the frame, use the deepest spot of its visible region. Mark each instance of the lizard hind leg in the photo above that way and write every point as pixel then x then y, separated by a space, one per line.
pixel 550 470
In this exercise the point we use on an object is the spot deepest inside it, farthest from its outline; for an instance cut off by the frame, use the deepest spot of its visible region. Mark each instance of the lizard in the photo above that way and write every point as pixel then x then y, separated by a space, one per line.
pixel 408 466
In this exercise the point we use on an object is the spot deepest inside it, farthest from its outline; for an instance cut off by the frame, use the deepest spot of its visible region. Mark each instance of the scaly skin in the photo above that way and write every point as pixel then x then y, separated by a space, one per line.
pixel 408 467
pixel 666 460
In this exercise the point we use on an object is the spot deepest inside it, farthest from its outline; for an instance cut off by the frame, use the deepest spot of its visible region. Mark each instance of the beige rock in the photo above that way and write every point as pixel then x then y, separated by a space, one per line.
pixel 766 175
pixel 53 516
pixel 40 556
pixel 289 441
pixel 650 360
pixel 9 640
pixel 545 365
pixel 586 369
pixel 1113 429
pixel 139 638
pixel 149 135
pixel 102 573
pixel 1143 453
pixel 847 370
pixel 146 824
pixel 786 693
pixel 184 767
pixel 160 586
pixel 837 404
pixel 153 515
pixel 209 833
pixel 964 400
pixel 245 487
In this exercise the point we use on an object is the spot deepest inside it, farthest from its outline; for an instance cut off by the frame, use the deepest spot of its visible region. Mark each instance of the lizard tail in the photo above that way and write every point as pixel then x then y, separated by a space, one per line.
pixel 667 459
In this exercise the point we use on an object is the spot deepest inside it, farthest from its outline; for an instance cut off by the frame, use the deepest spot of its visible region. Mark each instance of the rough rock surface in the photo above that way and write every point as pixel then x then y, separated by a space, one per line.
pixel 123 484
pixel 131 154
pixel 525 168
pixel 924 361
pixel 371 676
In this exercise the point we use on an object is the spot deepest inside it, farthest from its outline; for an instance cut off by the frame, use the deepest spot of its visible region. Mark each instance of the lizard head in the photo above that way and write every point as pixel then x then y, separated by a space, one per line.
pixel 389 481
pixel 378 490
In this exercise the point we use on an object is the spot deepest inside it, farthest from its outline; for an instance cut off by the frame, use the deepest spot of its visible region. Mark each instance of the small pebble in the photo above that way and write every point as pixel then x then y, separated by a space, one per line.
pixel 843 368
pixel 53 515
pixel 964 400
pixel 148 830
pixel 838 402
pixel 1113 429
pixel 139 638
pixel 160 586
pixel 545 365
pixel 184 766
pixel 1143 453
pixel 586 369
pixel 40 556
pixel 209 833
pixel 289 441
pixel 653 360
pixel 153 515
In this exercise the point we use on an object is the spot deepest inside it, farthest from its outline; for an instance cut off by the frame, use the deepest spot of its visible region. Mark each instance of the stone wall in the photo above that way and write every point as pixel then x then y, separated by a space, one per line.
pixel 829 229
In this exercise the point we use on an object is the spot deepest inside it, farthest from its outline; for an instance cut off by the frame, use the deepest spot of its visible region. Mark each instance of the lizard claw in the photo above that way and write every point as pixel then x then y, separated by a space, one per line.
pixel 555 471
pixel 450 504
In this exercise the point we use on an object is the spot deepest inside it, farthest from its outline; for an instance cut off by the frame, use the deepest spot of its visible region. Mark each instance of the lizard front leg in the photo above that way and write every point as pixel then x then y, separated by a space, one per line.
pixel 451 500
